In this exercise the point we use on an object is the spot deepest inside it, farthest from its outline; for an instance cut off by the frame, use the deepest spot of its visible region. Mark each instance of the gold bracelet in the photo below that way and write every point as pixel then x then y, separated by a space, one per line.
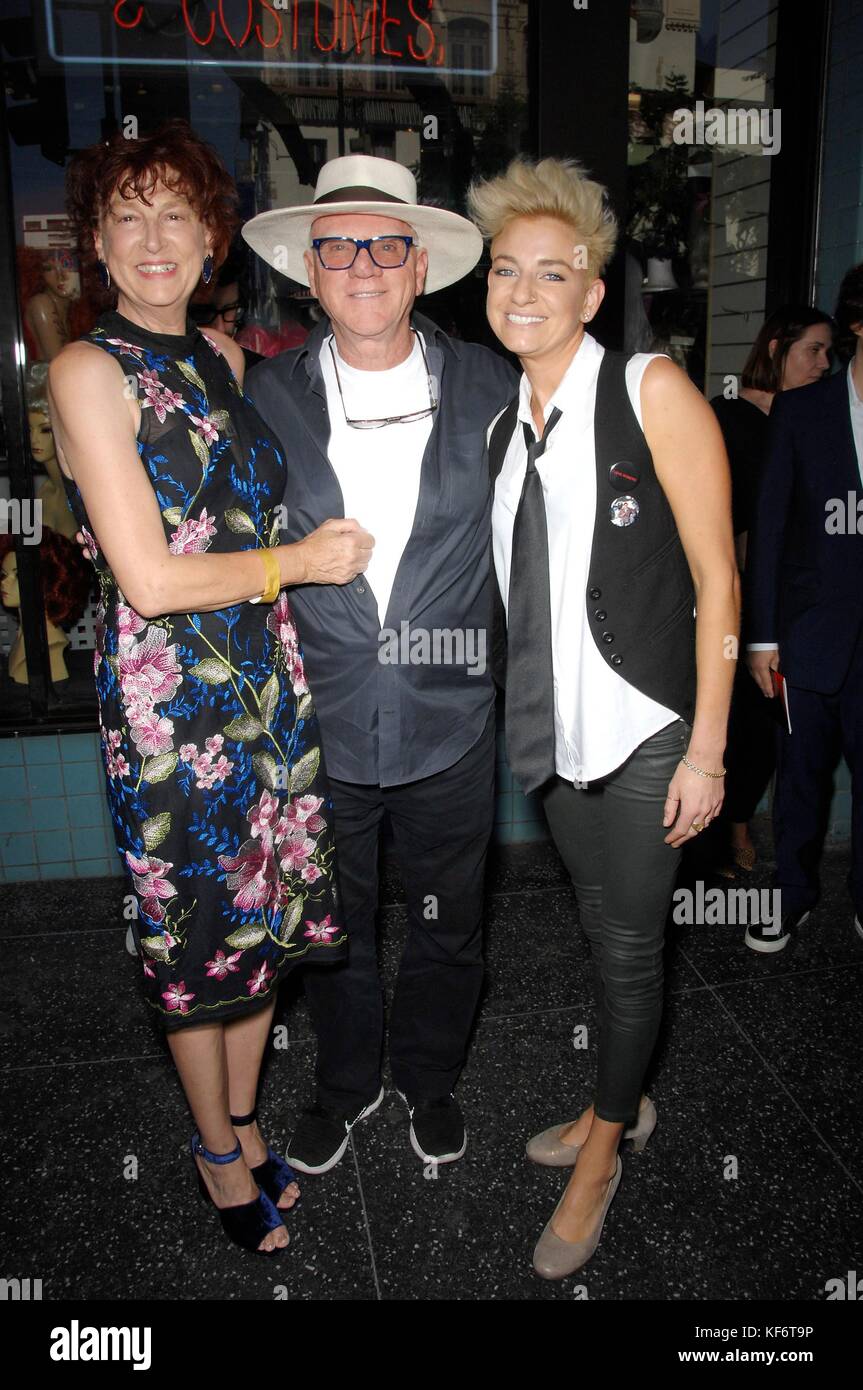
pixel 700 770
pixel 273 578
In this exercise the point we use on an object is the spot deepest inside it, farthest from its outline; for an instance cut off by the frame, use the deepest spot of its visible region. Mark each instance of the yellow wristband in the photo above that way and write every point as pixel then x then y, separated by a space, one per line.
pixel 273 577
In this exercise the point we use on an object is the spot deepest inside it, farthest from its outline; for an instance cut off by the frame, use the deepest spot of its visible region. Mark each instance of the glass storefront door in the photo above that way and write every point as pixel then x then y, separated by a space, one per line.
pixel 277 87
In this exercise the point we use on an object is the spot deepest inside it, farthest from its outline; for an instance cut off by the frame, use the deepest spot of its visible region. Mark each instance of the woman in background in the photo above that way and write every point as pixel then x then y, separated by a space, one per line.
pixel 791 350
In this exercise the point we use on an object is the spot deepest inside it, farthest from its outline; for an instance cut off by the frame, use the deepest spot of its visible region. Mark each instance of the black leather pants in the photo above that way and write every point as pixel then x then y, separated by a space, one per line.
pixel 611 837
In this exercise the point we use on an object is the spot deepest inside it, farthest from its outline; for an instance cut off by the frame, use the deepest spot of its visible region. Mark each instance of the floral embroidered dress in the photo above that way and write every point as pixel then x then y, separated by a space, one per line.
pixel 220 802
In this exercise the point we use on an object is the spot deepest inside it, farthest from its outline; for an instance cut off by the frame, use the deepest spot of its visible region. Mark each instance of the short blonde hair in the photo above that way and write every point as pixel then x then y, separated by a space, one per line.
pixel 548 188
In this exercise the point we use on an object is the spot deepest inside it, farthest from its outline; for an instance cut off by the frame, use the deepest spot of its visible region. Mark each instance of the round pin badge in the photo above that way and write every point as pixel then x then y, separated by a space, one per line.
pixel 624 476
pixel 624 511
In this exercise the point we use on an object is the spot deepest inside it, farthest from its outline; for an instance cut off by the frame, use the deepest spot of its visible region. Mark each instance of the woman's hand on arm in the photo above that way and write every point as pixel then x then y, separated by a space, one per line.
pixel 692 467
pixel 339 549
pixel 335 553
pixel 95 431
pixel 86 385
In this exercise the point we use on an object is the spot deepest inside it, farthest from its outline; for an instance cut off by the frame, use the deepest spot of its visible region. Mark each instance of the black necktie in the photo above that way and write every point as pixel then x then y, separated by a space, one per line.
pixel 529 679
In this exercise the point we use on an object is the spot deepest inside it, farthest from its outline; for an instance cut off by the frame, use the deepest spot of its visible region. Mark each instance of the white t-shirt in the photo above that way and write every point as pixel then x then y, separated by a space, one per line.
pixel 599 719
pixel 379 470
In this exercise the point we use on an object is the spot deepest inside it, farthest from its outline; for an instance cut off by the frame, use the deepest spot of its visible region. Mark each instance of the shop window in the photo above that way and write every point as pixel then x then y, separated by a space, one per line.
pixel 470 45
pixel 702 133
pixel 315 27
pixel 320 87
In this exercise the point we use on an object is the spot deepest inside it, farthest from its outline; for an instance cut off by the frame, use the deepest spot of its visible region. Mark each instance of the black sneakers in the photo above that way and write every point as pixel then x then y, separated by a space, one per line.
pixel 322 1135
pixel 774 936
pixel 438 1134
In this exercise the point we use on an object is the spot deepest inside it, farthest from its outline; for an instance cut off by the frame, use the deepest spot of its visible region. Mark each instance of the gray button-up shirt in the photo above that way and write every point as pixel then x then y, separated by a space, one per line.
pixel 394 709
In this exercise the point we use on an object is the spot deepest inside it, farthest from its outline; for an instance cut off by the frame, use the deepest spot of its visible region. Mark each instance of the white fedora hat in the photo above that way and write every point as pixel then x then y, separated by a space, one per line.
pixel 362 183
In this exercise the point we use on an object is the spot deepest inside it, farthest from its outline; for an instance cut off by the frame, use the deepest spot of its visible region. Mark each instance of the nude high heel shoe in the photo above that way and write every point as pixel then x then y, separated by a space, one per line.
pixel 554 1257
pixel 549 1149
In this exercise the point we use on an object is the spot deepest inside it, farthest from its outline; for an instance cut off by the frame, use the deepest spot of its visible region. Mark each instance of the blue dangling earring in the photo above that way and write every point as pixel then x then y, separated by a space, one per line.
pixel 207 270
pixel 104 275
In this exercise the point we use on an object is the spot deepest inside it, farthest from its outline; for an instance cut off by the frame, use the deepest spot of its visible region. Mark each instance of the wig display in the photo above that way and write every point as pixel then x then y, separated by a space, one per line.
pixel 66 583
pixel 51 495
pixel 54 313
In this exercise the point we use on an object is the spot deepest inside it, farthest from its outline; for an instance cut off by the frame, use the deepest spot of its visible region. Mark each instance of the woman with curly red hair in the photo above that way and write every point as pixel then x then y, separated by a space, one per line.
pixel 212 755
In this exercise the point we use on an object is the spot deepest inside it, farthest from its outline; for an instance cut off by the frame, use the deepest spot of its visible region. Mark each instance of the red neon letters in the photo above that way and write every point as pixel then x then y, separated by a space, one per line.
pixel 362 27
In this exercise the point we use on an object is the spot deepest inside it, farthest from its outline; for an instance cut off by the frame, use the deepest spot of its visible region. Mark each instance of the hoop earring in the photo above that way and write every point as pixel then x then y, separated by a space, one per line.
pixel 104 275
pixel 207 270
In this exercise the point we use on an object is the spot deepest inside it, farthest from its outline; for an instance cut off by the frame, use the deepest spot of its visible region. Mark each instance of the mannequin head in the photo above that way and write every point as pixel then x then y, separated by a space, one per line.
pixel 52 270
pixel 60 273
pixel 42 445
pixel 9 594
pixel 66 578
pixel 65 585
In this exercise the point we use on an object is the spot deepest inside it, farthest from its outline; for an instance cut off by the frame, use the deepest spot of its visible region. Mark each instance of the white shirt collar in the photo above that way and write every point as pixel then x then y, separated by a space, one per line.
pixel 856 403
pixel 573 392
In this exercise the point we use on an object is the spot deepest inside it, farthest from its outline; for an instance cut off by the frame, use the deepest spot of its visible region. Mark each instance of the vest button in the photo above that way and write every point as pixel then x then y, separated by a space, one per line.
pixel 617 659
pixel 608 637
pixel 361 588
pixel 595 593
pixel 600 615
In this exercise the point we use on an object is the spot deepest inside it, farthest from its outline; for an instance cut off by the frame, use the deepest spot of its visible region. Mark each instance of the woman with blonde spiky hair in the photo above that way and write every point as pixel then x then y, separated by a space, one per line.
pixel 611 521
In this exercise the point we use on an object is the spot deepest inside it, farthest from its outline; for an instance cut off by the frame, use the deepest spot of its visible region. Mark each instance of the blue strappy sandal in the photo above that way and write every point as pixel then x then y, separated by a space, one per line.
pixel 248 1223
pixel 274 1174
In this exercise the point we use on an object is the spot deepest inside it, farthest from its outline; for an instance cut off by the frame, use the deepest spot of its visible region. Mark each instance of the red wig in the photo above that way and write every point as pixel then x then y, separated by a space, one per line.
pixel 66 577
pixel 174 156
pixel 31 281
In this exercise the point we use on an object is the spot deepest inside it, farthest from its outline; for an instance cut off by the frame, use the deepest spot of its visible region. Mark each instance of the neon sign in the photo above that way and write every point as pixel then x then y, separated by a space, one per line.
pixel 403 35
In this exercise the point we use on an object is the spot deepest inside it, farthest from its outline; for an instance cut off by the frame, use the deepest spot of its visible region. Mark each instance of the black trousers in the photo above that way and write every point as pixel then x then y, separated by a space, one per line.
pixel 822 726
pixel 750 754
pixel 611 838
pixel 441 827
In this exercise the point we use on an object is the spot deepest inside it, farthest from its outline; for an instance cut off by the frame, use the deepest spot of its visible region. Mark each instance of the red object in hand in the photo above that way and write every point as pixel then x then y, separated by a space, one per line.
pixel 780 687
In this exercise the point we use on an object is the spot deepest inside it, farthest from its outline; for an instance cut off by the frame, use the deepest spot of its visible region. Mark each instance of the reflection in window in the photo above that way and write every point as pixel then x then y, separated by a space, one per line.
pixel 275 125
pixel 316 28
pixel 470 47
pixel 696 216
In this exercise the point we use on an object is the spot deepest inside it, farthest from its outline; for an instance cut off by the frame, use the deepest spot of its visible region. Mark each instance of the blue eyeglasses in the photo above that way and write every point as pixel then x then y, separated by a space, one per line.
pixel 340 252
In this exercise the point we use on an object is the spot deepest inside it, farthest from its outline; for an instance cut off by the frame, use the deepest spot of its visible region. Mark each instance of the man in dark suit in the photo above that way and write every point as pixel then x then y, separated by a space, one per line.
pixel 804 606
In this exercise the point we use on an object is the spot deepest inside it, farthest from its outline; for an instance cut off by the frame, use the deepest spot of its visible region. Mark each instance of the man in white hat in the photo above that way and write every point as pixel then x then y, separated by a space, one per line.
pixel 383 419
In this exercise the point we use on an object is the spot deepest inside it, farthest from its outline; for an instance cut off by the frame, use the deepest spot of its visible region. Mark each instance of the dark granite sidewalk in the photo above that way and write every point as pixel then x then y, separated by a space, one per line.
pixel 760 1060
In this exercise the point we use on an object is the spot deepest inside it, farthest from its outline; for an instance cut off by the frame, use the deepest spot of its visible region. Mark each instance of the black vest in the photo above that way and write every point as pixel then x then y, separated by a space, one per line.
pixel 640 598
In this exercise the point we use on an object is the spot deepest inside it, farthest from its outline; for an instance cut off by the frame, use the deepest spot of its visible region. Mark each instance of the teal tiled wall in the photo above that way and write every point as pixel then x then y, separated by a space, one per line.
pixel 54 819
pixel 518 818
